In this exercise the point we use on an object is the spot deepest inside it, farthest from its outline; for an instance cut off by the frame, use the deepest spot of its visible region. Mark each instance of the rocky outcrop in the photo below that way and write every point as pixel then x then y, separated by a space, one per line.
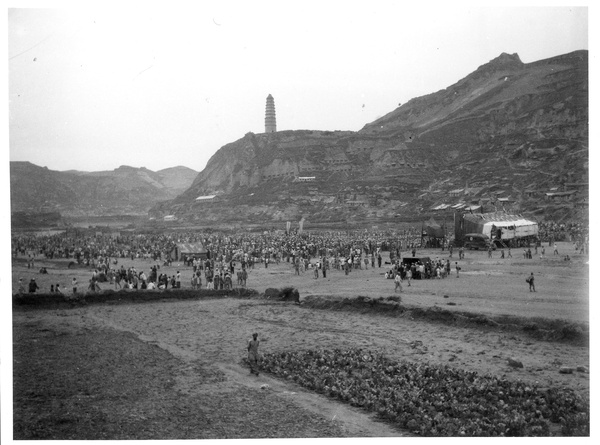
pixel 506 126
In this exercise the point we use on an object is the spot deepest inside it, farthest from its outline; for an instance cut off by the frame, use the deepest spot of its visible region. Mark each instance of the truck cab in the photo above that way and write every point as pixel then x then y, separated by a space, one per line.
pixel 478 241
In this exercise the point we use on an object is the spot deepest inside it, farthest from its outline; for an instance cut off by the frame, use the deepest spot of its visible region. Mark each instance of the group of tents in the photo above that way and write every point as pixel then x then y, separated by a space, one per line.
pixel 189 250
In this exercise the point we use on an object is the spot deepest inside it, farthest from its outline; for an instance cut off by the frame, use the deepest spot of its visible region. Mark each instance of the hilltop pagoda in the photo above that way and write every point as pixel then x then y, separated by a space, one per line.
pixel 270 122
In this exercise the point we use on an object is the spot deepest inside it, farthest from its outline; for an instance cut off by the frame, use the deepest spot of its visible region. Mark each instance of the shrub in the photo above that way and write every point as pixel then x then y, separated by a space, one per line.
pixel 572 332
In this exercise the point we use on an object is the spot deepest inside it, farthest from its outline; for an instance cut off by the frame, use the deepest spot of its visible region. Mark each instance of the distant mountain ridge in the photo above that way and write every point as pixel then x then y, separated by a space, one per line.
pixel 123 191
pixel 510 135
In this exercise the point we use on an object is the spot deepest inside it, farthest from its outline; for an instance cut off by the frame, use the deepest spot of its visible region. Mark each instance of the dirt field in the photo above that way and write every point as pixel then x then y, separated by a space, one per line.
pixel 188 353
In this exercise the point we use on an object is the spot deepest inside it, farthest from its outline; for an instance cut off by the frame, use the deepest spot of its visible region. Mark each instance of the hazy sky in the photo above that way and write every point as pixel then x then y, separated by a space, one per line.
pixel 95 88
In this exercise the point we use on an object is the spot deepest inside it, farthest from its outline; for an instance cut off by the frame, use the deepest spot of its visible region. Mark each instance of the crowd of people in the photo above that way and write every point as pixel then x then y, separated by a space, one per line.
pixel 228 255
pixel 233 255
pixel 102 250
pixel 577 232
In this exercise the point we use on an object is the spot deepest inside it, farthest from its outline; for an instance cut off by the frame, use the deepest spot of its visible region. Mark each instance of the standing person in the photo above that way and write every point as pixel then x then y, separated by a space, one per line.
pixel 378 260
pixel 457 268
pixel 253 354
pixel 398 281
pixel 74 285
pixel 94 281
pixel 118 279
pixel 490 252
pixel 408 275
pixel 450 249
pixel 509 253
pixel 33 286
pixel 178 280
pixel 531 283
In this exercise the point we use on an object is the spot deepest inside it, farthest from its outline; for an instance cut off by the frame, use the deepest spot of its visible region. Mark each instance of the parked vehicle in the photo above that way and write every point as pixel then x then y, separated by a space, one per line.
pixel 478 241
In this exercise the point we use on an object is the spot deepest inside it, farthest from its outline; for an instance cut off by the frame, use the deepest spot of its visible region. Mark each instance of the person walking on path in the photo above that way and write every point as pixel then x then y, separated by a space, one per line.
pixel 531 283
pixel 253 354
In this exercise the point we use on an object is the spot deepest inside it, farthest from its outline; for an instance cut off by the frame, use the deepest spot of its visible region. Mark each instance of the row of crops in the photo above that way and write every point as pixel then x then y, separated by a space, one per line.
pixel 434 400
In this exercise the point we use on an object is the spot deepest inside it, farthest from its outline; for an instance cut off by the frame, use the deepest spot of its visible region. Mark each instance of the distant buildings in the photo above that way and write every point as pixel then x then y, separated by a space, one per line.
pixel 305 179
pixel 206 198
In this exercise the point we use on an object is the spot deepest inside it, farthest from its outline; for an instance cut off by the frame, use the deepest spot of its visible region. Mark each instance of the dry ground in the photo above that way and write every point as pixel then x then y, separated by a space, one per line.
pixel 172 369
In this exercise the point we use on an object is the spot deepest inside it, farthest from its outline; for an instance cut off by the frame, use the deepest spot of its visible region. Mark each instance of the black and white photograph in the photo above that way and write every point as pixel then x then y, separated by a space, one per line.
pixel 298 221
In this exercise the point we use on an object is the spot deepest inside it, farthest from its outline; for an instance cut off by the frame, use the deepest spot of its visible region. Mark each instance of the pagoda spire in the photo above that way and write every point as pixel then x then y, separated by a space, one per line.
pixel 270 122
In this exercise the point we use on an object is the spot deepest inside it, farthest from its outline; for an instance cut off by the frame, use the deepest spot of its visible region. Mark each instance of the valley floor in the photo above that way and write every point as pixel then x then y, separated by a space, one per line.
pixel 173 369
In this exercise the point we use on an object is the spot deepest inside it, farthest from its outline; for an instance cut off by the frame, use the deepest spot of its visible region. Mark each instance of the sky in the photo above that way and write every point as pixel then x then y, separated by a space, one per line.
pixel 92 88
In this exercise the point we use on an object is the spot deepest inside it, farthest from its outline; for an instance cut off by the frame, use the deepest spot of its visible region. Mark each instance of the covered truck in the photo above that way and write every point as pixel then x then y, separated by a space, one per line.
pixel 502 228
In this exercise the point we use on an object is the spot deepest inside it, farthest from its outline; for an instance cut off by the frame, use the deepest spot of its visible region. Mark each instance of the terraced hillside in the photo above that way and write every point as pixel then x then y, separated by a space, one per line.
pixel 510 135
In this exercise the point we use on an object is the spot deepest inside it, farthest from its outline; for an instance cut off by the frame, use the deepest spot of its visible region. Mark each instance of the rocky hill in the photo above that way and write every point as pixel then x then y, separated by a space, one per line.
pixel 123 191
pixel 509 135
